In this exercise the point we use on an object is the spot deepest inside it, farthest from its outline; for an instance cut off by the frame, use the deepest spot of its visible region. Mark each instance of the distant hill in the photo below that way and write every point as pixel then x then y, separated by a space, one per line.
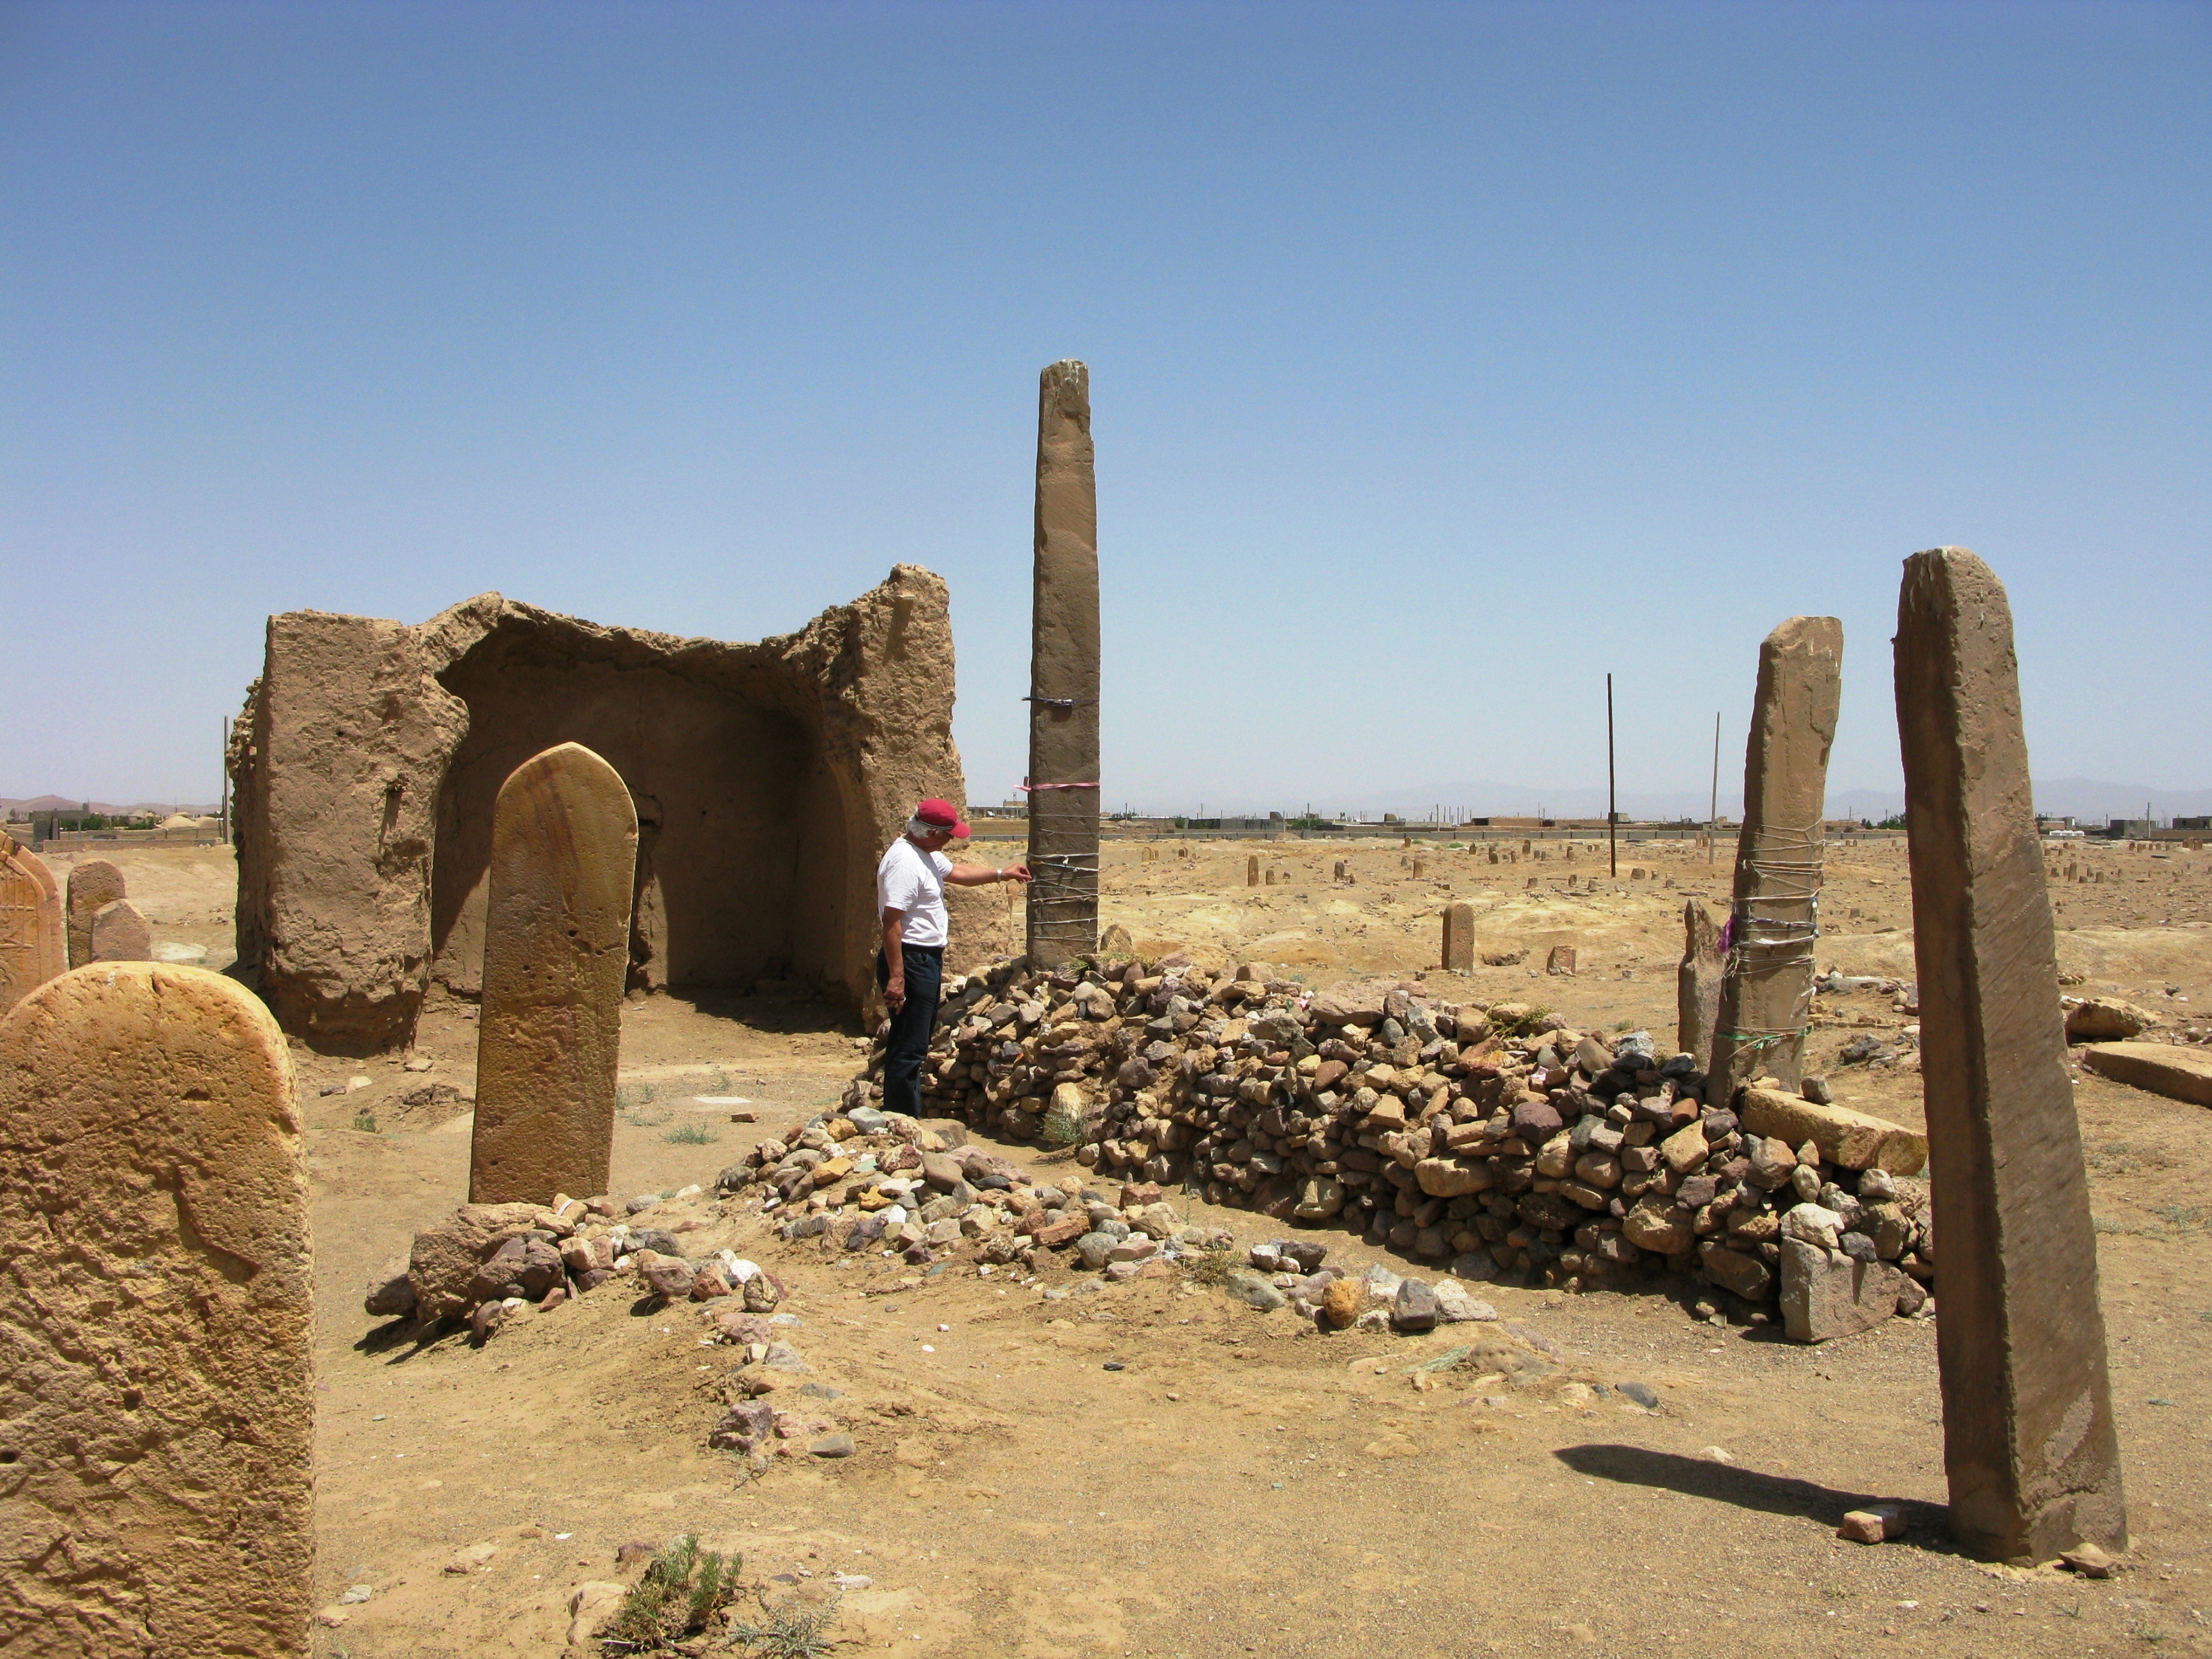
pixel 21 809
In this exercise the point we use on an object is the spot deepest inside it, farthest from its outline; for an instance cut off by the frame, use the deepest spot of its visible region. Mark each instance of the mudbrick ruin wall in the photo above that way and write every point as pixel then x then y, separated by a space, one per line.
pixel 1490 1136
pixel 767 777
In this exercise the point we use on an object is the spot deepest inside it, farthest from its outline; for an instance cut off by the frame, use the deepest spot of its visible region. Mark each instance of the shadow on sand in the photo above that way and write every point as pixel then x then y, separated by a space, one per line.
pixel 1927 1524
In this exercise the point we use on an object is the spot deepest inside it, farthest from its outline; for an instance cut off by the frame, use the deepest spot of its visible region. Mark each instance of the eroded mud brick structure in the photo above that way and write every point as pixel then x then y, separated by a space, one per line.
pixel 767 778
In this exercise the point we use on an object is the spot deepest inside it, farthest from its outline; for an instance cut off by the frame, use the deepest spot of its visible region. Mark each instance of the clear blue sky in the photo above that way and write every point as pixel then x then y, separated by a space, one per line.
pixel 1443 358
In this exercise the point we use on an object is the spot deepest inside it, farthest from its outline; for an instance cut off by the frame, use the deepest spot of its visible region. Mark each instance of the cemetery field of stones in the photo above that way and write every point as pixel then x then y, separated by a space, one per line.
pixel 1458 1245
pixel 1239 1482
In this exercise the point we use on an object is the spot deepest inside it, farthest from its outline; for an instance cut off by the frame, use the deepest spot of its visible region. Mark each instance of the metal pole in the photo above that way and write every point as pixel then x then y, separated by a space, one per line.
pixel 1612 806
pixel 1713 813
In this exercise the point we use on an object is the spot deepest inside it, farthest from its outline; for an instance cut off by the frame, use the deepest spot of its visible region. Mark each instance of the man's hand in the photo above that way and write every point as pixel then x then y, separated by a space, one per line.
pixel 895 959
pixel 1017 873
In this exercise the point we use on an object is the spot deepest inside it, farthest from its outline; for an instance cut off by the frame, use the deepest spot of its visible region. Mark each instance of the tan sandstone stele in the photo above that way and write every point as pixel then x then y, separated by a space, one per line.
pixel 2030 1443
pixel 31 942
pixel 1766 989
pixel 91 884
pixel 557 950
pixel 1063 897
pixel 157 1307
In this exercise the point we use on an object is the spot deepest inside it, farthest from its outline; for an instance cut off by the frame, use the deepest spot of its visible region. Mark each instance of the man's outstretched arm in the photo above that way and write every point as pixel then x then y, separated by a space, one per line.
pixel 979 875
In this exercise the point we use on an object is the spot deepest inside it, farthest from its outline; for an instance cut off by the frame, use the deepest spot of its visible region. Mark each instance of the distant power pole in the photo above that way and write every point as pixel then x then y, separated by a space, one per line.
pixel 1611 805
pixel 1713 814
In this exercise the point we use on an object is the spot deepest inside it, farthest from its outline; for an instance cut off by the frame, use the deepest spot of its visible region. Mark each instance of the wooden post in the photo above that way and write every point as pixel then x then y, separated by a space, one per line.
pixel 1612 803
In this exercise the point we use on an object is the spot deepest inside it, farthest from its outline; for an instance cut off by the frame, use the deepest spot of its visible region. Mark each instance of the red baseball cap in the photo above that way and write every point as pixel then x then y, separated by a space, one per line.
pixel 939 815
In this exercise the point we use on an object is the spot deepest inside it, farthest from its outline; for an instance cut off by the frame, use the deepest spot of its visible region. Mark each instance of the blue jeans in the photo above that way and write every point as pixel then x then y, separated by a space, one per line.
pixel 912 1025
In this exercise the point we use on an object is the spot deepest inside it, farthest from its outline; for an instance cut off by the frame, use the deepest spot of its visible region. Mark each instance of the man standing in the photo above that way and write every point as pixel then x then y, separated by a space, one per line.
pixel 910 904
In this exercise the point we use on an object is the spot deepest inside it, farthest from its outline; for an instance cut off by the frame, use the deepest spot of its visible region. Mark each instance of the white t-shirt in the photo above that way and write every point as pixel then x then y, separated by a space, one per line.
pixel 912 881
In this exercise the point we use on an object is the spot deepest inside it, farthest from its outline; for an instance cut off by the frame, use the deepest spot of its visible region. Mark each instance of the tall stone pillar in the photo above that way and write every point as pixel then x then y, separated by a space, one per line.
pixel 556 953
pixel 1063 893
pixel 1766 988
pixel 2028 1438
pixel 1697 984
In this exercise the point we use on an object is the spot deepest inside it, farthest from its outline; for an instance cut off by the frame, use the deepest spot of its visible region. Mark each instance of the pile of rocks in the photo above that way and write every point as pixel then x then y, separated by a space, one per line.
pixel 867 1180
pixel 491 1259
pixel 1289 1272
pixel 1489 1136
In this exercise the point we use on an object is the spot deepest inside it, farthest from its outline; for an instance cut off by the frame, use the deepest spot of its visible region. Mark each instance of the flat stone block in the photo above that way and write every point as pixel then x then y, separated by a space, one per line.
pixel 2162 1068
pixel 1853 1139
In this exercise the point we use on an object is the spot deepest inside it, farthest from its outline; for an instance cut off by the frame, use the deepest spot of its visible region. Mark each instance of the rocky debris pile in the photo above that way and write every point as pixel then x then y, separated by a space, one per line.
pixel 1491 1137
pixel 2106 1020
pixel 491 1259
pixel 867 1180
pixel 1377 1300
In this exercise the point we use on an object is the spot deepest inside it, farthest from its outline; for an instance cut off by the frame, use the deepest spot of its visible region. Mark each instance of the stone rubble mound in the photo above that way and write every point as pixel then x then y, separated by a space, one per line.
pixel 491 1259
pixel 863 1179
pixel 1490 1136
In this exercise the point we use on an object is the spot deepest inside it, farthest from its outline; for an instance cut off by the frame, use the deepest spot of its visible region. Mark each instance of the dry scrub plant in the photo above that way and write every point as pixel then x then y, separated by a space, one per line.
pixel 682 1590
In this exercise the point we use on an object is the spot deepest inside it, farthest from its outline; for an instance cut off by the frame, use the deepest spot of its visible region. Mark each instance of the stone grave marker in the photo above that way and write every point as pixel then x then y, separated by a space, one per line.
pixel 1063 894
pixel 31 933
pixel 556 953
pixel 1766 990
pixel 1697 984
pixel 92 884
pixel 158 1489
pixel 120 934
pixel 1459 938
pixel 2029 1441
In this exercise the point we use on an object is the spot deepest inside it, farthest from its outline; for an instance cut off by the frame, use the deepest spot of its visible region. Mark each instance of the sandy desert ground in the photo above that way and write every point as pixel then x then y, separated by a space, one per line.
pixel 1240 1484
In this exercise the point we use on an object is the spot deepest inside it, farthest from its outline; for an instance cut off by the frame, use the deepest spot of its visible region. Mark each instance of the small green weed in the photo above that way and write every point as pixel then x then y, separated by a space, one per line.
pixel 683 1588
pixel 365 1121
pixel 691 1134
pixel 2172 1223
pixel 1208 1267
pixel 792 1634
pixel 632 1099
pixel 1061 1127
pixel 2117 1157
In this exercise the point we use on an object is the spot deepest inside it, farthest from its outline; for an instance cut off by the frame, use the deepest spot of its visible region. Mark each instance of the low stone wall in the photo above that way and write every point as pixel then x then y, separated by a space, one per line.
pixel 1488 1136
